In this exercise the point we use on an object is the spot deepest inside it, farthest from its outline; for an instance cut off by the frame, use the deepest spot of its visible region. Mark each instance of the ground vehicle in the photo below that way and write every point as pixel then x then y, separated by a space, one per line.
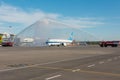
pixel 7 44
pixel 109 43
pixel 7 40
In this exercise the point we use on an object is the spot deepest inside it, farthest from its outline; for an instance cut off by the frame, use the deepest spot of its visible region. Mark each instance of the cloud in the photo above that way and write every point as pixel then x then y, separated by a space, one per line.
pixel 1 23
pixel 83 22
pixel 15 15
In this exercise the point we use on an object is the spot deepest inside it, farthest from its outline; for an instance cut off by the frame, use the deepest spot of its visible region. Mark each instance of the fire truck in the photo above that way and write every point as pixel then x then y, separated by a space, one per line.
pixel 109 43
pixel 7 40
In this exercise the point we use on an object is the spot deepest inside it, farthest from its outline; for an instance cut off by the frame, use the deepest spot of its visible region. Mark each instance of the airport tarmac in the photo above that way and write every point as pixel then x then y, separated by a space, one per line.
pixel 59 63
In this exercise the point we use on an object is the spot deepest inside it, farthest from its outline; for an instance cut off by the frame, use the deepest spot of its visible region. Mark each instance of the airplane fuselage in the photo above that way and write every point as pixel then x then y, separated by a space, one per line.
pixel 58 42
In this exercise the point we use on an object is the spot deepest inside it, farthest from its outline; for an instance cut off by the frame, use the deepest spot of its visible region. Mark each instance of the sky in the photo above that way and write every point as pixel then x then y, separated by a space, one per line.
pixel 98 17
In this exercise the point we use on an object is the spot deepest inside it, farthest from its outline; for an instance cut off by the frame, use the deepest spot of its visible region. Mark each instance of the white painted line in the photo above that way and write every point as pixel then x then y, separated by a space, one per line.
pixel 101 62
pixel 3 70
pixel 73 70
pixel 56 76
pixel 109 59
pixel 77 70
pixel 115 58
pixel 91 65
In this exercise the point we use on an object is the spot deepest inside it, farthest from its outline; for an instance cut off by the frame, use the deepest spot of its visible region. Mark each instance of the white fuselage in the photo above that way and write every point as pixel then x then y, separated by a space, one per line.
pixel 58 42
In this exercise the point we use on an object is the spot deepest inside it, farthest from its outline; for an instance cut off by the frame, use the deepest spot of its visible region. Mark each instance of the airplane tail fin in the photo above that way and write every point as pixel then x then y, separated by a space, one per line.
pixel 71 36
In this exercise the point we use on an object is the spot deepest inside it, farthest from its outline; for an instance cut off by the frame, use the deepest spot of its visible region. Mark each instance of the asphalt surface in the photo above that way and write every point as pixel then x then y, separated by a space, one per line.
pixel 74 63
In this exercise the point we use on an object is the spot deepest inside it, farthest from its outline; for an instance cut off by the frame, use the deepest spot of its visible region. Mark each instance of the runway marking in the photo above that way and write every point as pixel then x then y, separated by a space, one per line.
pixel 85 71
pixel 3 70
pixel 56 68
pixel 39 77
pixel 92 65
pixel 56 76
pixel 109 60
pixel 77 70
pixel 115 58
pixel 100 73
pixel 101 62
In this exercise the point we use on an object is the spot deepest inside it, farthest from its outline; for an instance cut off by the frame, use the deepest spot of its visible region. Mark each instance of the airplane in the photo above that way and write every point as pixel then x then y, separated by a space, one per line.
pixel 60 42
